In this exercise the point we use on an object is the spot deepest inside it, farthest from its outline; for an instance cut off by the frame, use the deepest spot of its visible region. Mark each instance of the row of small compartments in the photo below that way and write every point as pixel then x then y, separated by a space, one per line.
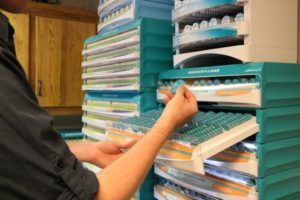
pixel 116 14
pixel 214 22
pixel 178 3
pixel 213 82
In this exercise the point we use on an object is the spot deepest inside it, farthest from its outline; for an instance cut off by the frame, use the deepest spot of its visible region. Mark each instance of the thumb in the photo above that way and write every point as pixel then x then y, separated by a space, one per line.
pixel 181 90
pixel 127 144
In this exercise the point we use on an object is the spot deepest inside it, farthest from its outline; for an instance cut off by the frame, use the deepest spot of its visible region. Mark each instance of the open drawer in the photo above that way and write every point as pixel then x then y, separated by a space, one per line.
pixel 206 135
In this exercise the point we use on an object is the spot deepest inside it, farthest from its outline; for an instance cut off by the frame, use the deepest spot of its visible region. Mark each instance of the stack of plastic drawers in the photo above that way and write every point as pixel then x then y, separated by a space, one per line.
pixel 120 72
pixel 121 65
pixel 114 13
pixel 245 139
pixel 230 31
pixel 265 166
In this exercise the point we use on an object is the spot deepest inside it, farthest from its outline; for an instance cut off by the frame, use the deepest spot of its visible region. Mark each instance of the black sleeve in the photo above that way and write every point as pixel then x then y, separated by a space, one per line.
pixel 35 161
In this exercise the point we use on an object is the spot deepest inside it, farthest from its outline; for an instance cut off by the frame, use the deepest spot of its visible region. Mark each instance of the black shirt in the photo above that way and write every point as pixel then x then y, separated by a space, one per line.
pixel 35 162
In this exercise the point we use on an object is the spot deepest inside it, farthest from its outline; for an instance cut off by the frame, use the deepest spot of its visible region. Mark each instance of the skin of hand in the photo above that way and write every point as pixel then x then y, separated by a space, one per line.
pixel 100 154
pixel 121 179
pixel 180 108
pixel 14 6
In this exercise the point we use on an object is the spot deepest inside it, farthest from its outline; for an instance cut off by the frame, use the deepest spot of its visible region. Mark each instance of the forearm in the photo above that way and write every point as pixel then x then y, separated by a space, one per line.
pixel 14 6
pixel 121 179
pixel 82 151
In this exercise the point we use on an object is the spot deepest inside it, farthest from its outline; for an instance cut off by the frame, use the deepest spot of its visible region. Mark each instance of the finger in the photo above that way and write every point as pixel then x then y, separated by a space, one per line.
pixel 190 96
pixel 166 100
pixel 127 144
pixel 169 94
pixel 181 90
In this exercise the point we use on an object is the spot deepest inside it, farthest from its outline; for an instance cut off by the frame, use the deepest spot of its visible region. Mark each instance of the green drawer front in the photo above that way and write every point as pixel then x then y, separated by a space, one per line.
pixel 278 156
pixel 278 123
pixel 280 186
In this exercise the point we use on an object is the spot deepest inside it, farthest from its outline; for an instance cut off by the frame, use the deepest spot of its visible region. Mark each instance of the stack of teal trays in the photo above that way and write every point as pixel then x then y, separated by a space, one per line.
pixel 256 108
pixel 244 143
pixel 115 13
pixel 121 65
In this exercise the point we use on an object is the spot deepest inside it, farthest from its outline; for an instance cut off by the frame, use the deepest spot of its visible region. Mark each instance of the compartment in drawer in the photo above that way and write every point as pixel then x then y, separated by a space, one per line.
pixel 196 39
pixel 115 14
pixel 198 10
pixel 252 85
pixel 113 84
pixel 120 12
pixel 124 54
pixel 115 70
pixel 113 54
pixel 168 190
pixel 98 120
pixel 112 108
pixel 241 91
pixel 94 133
pixel 241 157
pixel 209 185
pixel 103 44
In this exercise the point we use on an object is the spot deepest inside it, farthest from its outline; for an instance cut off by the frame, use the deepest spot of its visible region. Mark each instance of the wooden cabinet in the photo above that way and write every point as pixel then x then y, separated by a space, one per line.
pixel 57 60
pixel 49 41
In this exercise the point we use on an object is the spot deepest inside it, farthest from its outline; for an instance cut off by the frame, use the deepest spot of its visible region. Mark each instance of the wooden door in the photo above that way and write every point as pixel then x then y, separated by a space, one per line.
pixel 57 60
pixel 20 22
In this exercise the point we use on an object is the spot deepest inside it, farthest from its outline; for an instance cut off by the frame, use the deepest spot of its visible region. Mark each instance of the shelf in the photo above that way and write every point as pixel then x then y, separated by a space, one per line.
pixel 198 10
pixel 108 44
pixel 112 73
pixel 102 6
pixel 109 112
pixel 121 18
pixel 102 62
pixel 207 185
pixel 228 33
pixel 242 95
pixel 94 134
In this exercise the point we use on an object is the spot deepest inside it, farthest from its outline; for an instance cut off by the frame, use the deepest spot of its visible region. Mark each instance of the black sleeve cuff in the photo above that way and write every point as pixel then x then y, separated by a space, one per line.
pixel 81 181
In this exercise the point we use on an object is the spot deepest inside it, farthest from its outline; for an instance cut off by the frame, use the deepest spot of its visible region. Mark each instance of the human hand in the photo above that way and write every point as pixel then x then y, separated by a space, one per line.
pixel 100 154
pixel 180 108
pixel 108 151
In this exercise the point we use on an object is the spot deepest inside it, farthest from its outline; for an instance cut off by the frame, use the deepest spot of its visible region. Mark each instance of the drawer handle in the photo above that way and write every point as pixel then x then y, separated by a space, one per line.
pixel 40 86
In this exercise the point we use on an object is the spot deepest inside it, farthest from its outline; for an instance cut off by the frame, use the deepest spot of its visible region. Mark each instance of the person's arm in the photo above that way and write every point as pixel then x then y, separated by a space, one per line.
pixel 100 154
pixel 14 6
pixel 121 179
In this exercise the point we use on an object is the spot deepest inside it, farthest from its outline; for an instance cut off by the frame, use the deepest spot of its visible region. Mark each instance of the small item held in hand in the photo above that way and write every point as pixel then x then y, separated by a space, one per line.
pixel 176 85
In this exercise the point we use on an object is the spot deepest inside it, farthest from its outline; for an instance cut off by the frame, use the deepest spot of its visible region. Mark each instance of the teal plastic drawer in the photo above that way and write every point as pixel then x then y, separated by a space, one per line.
pixel 283 186
pixel 263 161
pixel 99 108
pixel 278 156
pixel 144 102
pixel 146 190
pixel 252 85
pixel 278 123
pixel 115 13
pixel 269 140
pixel 197 10
pixel 277 144
pixel 128 58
